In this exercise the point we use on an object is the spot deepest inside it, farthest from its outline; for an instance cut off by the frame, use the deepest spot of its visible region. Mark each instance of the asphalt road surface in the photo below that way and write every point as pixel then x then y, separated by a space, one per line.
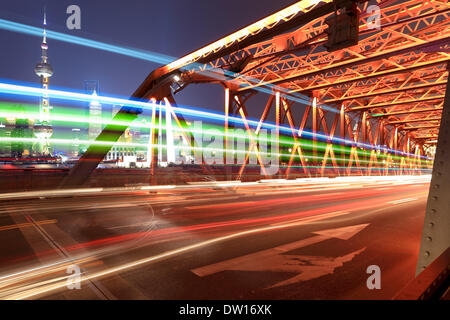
pixel 300 239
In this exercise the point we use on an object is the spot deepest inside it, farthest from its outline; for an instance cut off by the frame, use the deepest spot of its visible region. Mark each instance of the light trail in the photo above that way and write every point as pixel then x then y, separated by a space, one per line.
pixel 207 149
pixel 34 31
pixel 41 287
pixel 322 181
pixel 60 282
pixel 74 96
pixel 216 130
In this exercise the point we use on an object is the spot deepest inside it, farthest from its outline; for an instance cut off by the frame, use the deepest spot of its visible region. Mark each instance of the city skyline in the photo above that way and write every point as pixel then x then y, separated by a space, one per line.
pixel 100 24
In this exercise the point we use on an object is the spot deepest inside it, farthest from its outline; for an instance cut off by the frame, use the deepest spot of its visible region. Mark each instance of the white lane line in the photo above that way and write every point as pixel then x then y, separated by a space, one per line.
pixel 94 285
pixel 402 200
pixel 312 218
pixel 232 204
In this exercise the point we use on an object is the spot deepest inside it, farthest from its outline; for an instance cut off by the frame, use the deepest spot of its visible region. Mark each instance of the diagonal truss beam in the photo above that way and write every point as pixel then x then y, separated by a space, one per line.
pixel 397 103
pixel 414 120
pixel 406 112
pixel 387 91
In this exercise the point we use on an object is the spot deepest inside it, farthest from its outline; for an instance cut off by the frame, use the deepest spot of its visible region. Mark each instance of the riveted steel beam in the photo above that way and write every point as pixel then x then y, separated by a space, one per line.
pixel 435 234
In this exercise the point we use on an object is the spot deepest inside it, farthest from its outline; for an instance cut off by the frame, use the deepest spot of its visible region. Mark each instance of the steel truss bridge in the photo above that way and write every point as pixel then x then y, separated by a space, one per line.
pixel 389 89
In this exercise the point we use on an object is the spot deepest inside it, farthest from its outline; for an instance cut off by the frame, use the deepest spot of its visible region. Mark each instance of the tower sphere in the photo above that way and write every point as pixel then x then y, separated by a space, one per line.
pixel 43 69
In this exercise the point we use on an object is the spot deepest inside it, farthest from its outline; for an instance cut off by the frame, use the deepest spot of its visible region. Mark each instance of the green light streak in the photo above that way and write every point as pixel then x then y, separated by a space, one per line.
pixel 68 142
pixel 68 116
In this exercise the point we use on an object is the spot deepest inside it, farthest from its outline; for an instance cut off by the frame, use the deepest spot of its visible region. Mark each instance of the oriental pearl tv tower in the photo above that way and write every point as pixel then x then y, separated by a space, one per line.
pixel 42 128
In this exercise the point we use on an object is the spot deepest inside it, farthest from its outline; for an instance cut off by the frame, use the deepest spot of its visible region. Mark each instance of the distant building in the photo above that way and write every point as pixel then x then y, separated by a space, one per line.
pixel 121 150
pixel 17 132
pixel 95 110
pixel 22 147
pixel 125 152
pixel 75 150
pixel 6 127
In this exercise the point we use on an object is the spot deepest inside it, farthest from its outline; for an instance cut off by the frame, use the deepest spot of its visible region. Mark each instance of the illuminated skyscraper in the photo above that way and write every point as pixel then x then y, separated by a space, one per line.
pixel 92 87
pixel 43 129
pixel 95 117
pixel 75 150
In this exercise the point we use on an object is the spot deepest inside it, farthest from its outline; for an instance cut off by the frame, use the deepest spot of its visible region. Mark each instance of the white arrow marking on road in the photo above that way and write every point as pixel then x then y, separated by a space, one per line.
pixel 402 200
pixel 303 220
pixel 344 233
pixel 307 267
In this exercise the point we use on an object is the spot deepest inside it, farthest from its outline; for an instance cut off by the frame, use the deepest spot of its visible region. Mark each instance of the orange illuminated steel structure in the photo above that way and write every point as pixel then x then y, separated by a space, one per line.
pixel 386 90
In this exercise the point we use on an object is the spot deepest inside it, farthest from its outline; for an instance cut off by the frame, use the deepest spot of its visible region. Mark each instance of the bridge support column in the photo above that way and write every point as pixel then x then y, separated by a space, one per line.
pixel 227 165
pixel 342 119
pixel 153 154
pixel 435 234
pixel 278 122
pixel 315 124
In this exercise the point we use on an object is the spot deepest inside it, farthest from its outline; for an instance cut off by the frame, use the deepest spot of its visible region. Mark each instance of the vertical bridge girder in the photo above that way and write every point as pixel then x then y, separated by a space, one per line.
pixel 436 227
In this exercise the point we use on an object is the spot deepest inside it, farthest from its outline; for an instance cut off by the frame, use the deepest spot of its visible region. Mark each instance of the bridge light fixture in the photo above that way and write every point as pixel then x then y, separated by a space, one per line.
pixel 177 83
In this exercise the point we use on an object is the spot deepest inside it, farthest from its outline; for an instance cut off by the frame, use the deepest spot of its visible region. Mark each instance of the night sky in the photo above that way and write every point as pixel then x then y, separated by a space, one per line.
pixel 170 27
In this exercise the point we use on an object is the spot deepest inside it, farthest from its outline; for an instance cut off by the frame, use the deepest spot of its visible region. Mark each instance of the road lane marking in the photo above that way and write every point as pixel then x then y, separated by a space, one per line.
pixel 341 233
pixel 96 287
pixel 402 200
pixel 159 257
pixel 275 260
pixel 312 218
pixel 233 204
pixel 27 224
pixel 46 287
